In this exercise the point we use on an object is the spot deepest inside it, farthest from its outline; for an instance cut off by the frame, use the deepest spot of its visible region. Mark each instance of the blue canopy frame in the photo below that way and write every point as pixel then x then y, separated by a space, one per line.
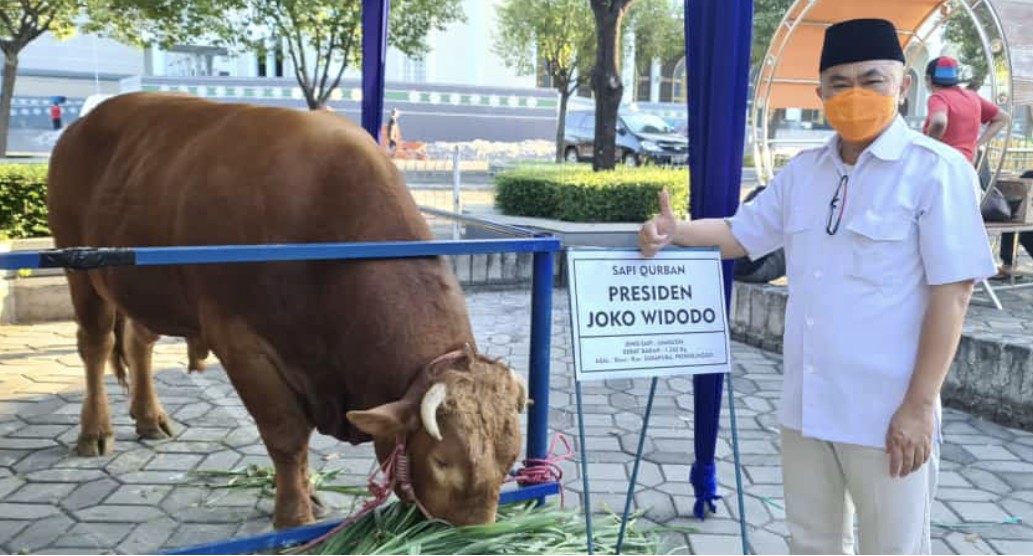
pixel 718 39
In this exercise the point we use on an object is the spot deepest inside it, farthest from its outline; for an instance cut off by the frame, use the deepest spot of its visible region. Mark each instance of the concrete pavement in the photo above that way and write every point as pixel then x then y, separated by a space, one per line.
pixel 143 498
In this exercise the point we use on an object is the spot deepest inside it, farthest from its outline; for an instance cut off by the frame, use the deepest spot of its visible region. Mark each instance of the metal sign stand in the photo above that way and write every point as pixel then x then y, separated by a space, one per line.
pixel 620 257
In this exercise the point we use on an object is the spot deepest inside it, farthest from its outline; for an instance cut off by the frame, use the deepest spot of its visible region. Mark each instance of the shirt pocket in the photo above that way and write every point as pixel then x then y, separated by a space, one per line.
pixel 799 232
pixel 881 247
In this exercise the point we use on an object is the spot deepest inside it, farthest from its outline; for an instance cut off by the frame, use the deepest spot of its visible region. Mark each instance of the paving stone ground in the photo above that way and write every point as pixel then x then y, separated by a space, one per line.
pixel 146 497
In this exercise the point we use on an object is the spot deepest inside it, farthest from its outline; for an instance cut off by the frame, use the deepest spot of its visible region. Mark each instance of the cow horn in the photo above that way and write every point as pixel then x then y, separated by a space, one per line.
pixel 432 400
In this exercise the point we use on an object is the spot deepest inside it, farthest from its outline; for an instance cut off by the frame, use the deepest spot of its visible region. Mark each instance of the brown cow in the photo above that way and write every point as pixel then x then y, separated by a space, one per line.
pixel 360 350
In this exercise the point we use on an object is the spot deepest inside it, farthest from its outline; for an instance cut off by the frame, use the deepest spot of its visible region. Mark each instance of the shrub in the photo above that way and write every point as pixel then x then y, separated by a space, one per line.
pixel 23 200
pixel 577 194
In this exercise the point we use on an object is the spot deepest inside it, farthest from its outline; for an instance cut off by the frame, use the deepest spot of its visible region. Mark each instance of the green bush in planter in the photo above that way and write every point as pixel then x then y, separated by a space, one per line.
pixel 577 194
pixel 23 200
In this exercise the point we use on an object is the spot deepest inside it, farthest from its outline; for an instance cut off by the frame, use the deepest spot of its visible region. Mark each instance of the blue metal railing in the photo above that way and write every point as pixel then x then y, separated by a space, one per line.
pixel 541 246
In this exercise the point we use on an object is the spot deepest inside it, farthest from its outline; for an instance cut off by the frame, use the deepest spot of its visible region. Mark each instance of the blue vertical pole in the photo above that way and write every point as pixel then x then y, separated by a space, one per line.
pixel 374 57
pixel 541 339
pixel 718 39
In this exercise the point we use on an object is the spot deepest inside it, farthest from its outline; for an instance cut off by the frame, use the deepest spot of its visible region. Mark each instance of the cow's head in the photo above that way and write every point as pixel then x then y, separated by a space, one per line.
pixel 462 431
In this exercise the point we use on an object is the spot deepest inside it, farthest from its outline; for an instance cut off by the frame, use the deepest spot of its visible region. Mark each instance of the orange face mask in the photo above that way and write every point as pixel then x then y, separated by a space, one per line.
pixel 860 114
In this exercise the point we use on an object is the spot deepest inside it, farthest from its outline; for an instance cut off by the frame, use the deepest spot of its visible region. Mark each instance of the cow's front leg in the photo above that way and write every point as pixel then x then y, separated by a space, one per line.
pixel 281 421
pixel 94 340
pixel 151 421
pixel 97 437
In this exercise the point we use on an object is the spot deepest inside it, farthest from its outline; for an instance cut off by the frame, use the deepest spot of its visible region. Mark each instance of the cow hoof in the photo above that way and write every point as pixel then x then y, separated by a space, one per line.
pixel 154 429
pixel 196 367
pixel 291 522
pixel 94 445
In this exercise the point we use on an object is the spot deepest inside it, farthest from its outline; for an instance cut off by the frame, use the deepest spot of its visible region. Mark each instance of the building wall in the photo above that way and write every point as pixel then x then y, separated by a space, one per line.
pixel 464 53
pixel 47 85
pixel 83 54
pixel 430 112
pixel 460 55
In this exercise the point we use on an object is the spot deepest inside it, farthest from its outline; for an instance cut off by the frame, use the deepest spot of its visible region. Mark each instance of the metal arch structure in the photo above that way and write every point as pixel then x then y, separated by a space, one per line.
pixel 789 70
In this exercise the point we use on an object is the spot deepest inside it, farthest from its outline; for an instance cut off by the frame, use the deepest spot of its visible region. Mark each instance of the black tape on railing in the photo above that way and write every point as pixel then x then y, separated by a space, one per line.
pixel 87 258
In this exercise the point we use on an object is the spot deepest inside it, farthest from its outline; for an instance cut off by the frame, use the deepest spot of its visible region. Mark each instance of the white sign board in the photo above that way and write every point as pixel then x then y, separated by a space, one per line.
pixel 634 317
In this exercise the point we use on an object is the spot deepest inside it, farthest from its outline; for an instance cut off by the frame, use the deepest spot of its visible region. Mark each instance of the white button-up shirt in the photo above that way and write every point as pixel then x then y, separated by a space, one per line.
pixel 857 298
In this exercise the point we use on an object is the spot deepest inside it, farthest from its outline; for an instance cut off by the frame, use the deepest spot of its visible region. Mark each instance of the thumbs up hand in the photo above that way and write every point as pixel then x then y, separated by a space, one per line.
pixel 659 231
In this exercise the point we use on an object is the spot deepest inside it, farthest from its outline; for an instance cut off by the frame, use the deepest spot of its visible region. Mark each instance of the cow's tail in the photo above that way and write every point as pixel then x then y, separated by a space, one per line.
pixel 118 355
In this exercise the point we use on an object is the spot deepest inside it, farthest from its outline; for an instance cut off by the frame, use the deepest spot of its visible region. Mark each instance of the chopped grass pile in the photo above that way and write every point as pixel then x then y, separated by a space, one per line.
pixel 264 478
pixel 397 528
pixel 523 528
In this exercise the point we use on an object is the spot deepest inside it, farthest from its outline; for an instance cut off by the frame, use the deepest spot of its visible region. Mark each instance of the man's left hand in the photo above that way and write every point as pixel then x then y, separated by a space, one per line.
pixel 909 438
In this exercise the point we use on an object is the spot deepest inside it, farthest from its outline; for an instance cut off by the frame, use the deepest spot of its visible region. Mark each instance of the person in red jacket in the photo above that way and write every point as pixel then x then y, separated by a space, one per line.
pixel 55 115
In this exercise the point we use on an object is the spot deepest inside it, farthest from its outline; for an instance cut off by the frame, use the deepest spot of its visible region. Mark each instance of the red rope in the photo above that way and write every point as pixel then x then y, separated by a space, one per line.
pixel 537 471
pixel 395 470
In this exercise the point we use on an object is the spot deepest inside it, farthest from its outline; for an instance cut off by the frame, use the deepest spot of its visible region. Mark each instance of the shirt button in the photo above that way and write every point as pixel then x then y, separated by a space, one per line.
pixel 809 321
pixel 808 369
pixel 817 274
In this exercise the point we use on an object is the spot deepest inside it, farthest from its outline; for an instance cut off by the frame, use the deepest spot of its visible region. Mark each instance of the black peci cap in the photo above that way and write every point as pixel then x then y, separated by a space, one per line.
pixel 860 40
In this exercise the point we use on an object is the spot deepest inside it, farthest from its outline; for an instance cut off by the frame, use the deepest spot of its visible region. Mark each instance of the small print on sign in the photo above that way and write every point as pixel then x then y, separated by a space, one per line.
pixel 636 317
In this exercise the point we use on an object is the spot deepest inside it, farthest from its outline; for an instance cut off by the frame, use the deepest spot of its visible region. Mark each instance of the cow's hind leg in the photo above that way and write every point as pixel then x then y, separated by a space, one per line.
pixel 151 421
pixel 197 352
pixel 95 339
pixel 281 421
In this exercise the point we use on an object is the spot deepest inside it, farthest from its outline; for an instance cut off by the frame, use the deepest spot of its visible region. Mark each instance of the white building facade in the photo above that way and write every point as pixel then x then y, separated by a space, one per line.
pixel 460 55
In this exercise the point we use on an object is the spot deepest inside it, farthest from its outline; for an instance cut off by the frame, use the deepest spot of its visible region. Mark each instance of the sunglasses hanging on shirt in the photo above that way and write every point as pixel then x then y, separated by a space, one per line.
pixel 836 207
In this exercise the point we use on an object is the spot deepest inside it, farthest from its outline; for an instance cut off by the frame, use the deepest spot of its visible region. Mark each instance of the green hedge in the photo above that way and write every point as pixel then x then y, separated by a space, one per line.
pixel 577 194
pixel 570 192
pixel 23 201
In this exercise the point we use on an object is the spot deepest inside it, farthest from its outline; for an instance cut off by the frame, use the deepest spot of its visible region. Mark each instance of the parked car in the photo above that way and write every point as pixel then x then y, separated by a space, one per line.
pixel 641 139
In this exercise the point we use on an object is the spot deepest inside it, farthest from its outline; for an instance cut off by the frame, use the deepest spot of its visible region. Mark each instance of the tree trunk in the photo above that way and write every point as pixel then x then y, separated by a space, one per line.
pixel 606 83
pixel 310 97
pixel 561 125
pixel 6 96
pixel 777 116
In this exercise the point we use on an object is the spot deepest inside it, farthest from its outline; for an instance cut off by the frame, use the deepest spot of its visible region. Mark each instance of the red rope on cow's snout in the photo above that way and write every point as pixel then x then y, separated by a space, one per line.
pixel 537 471
pixel 395 472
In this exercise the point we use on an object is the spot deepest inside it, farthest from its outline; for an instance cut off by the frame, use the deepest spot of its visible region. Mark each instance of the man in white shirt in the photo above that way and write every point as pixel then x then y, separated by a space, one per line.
pixel 883 240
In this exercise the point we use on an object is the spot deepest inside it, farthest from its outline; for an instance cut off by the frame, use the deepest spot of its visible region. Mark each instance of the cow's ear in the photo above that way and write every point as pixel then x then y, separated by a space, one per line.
pixel 387 420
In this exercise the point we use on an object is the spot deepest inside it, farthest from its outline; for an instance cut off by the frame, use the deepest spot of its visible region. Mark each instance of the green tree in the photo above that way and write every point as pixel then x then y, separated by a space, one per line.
pixel 767 15
pixel 21 22
pixel 606 79
pixel 321 37
pixel 555 34
pixel 160 23
pixel 659 32
pixel 561 37
pixel 961 31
